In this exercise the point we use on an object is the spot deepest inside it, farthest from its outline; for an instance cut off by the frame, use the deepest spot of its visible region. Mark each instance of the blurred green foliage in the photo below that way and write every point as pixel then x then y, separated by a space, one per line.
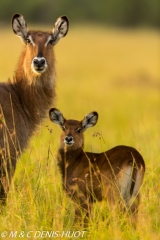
pixel 124 13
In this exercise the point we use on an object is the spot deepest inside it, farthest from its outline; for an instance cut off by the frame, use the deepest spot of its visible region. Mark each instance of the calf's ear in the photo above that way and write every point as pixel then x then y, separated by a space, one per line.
pixel 56 116
pixel 89 120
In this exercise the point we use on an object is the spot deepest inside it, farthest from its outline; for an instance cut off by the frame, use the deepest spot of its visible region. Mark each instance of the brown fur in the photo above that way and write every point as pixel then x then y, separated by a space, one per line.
pixel 88 177
pixel 24 102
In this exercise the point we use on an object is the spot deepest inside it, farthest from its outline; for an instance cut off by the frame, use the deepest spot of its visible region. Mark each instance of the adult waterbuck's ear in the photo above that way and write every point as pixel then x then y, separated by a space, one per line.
pixel 56 116
pixel 60 29
pixel 89 120
pixel 19 26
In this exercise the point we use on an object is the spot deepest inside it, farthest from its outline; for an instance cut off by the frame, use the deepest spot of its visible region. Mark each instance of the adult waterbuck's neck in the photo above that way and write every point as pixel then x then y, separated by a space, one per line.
pixel 35 74
pixel 25 100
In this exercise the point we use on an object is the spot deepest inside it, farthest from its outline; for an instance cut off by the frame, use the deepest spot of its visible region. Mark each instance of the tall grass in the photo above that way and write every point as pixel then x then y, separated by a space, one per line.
pixel 115 72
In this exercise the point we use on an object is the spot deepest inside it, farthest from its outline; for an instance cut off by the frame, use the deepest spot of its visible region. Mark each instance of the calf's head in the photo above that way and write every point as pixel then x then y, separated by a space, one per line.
pixel 72 135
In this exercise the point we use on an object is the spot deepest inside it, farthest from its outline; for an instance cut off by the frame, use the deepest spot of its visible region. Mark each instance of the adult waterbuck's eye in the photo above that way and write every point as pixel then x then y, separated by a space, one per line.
pixel 51 41
pixel 78 130
pixel 28 40
pixel 63 128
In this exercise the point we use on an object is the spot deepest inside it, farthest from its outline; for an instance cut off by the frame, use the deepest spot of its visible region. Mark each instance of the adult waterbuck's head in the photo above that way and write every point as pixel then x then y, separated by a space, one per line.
pixel 39 44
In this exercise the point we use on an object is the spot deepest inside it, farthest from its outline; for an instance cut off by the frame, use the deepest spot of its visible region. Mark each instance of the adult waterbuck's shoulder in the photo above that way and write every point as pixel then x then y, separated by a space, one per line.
pixel 25 99
pixel 115 175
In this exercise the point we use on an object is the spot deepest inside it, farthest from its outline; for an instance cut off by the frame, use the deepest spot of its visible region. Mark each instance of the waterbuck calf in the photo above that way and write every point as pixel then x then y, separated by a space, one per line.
pixel 115 175
pixel 25 100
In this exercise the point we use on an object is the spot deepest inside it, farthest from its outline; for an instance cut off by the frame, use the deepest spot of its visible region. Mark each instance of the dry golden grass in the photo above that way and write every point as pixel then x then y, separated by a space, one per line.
pixel 116 73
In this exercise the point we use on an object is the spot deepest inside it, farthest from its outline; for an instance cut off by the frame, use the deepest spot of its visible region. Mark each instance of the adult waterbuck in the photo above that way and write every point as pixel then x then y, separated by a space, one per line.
pixel 25 99
pixel 115 175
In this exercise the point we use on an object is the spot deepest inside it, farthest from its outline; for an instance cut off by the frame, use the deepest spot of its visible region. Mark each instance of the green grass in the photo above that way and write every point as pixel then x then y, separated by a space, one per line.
pixel 116 73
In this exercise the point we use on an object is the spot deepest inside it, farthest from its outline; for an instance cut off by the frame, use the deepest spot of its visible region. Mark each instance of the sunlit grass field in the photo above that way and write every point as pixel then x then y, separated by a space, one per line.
pixel 116 73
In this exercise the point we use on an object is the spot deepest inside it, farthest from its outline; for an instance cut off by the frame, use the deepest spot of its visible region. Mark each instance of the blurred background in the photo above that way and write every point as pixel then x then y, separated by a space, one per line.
pixel 124 13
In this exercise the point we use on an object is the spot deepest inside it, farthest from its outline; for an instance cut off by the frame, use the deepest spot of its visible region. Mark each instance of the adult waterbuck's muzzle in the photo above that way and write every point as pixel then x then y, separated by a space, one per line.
pixel 39 64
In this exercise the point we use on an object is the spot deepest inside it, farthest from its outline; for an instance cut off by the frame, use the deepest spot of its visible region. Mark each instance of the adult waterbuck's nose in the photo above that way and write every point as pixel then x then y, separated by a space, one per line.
pixel 39 64
pixel 69 140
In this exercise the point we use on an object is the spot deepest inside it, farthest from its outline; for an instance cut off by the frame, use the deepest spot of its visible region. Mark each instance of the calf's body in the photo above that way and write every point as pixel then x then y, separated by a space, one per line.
pixel 115 175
